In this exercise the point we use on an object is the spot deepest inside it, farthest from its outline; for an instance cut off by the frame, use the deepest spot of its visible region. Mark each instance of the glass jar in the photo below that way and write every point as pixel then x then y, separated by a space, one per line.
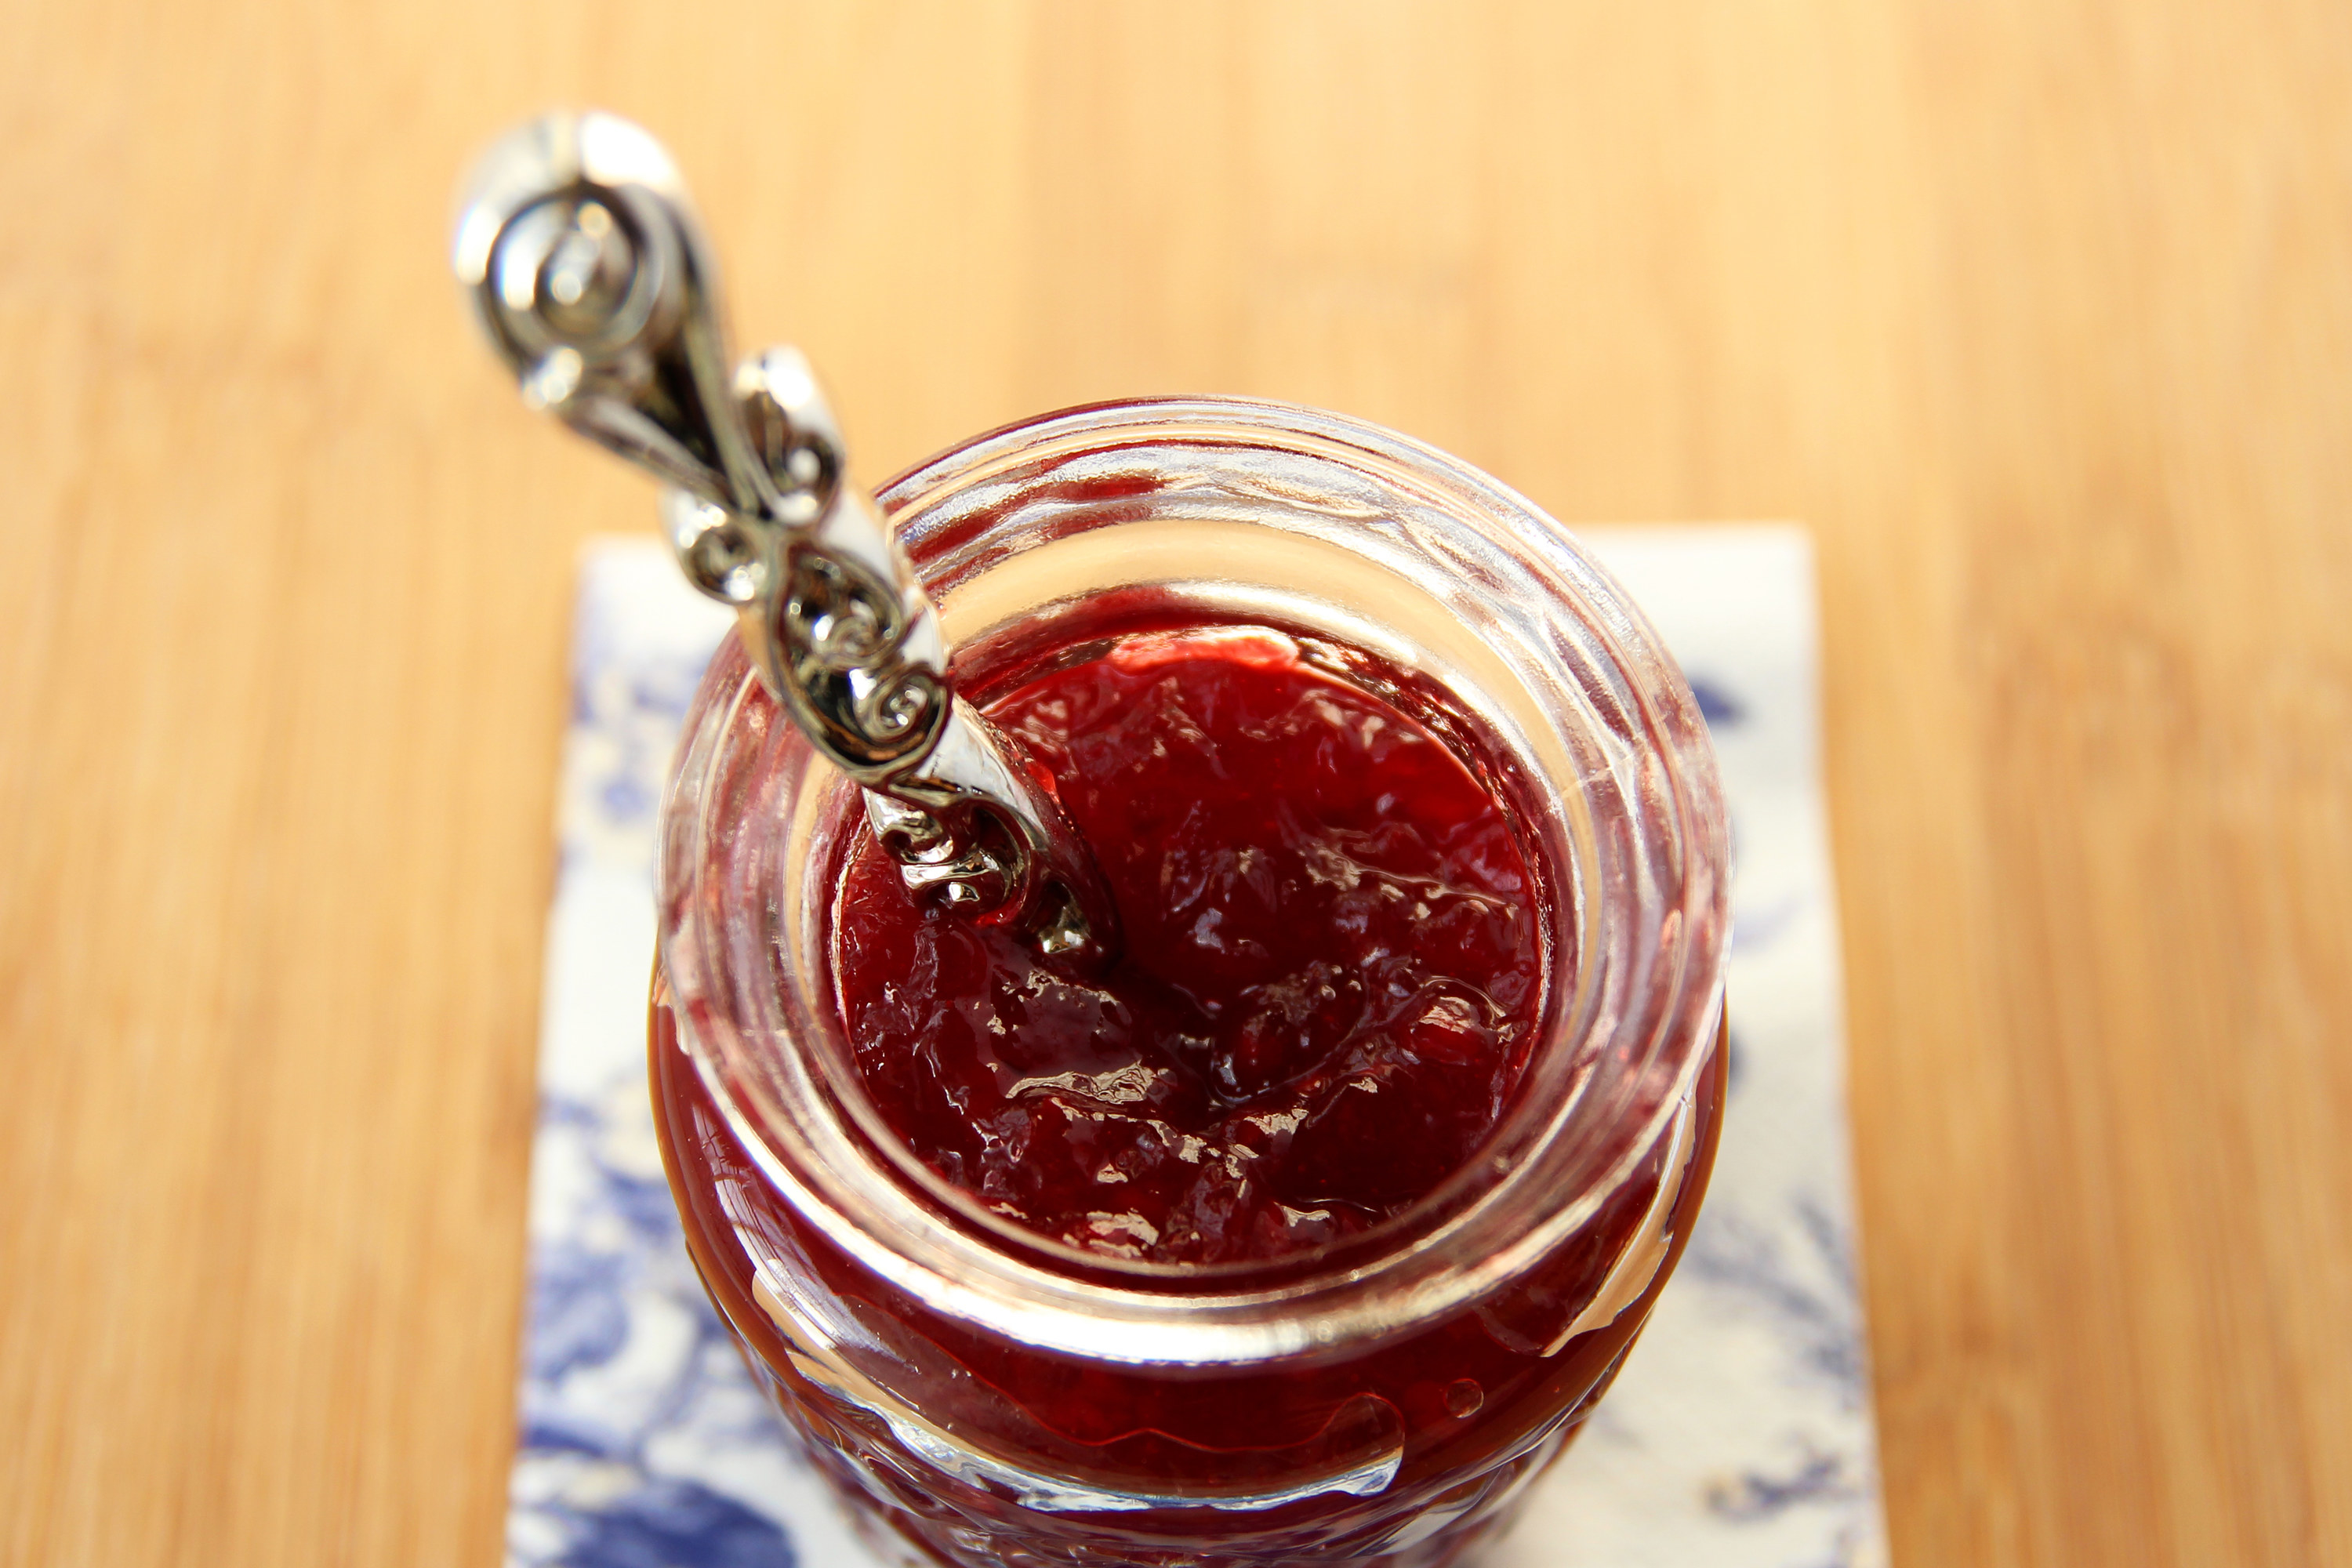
pixel 1000 1398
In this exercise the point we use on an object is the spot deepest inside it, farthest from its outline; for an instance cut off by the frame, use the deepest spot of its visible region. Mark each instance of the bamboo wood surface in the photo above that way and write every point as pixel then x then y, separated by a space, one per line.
pixel 2040 311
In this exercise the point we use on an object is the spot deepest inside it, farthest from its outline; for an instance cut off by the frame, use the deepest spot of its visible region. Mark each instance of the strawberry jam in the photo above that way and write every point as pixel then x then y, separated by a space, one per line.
pixel 1331 968
pixel 1330 990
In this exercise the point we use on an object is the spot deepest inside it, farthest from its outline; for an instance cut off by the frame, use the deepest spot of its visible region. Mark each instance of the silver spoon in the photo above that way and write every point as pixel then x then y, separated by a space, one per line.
pixel 593 278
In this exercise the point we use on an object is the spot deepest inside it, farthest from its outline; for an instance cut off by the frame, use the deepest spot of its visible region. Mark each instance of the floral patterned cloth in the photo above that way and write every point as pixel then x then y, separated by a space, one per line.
pixel 1741 1432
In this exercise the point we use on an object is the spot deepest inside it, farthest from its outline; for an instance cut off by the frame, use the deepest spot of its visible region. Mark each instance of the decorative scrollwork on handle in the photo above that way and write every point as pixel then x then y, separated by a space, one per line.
pixel 594 283
pixel 847 640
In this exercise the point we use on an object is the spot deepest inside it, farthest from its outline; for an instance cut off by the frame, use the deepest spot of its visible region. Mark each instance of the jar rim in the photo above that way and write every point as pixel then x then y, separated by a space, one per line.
pixel 1653 1033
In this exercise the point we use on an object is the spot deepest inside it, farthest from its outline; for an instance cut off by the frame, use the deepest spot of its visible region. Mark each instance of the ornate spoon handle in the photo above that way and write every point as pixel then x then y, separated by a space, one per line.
pixel 593 278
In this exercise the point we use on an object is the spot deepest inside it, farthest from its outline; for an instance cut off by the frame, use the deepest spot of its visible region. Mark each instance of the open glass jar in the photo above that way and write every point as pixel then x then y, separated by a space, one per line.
pixel 999 1397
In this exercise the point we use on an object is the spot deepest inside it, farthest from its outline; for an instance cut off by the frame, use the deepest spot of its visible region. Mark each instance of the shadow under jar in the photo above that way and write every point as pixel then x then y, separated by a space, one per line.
pixel 998 1396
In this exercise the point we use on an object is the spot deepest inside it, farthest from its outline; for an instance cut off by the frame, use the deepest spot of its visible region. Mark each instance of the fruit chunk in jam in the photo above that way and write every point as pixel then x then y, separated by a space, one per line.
pixel 1331 969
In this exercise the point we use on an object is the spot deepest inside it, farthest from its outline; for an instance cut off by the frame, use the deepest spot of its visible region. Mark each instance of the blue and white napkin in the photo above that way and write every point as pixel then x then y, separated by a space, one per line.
pixel 1741 1432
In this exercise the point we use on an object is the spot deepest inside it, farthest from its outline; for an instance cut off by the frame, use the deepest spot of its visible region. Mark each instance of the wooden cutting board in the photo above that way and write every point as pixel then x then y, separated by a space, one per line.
pixel 2041 313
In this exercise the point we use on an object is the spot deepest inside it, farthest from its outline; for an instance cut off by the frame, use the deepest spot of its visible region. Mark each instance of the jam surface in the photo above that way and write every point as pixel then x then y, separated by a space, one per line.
pixel 1333 968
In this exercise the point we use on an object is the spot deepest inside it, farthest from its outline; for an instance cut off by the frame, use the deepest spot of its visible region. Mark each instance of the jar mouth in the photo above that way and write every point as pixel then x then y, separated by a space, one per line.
pixel 1539 672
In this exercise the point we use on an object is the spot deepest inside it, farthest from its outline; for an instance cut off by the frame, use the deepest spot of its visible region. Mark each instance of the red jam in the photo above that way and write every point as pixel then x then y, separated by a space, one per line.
pixel 1331 984
pixel 1331 968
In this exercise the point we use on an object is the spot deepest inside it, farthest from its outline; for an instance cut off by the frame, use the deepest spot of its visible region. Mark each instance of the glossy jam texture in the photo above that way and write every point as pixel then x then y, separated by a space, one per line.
pixel 1332 967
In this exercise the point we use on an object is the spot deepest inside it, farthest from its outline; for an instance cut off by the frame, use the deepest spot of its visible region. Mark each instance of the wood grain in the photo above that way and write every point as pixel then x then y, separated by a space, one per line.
pixel 2039 310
